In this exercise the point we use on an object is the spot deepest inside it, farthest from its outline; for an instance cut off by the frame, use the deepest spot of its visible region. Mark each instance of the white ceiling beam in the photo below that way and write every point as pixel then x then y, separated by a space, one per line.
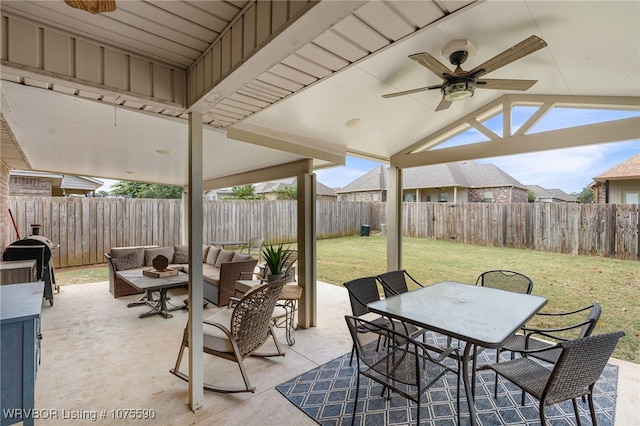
pixel 266 174
pixel 611 131
pixel 508 101
pixel 295 144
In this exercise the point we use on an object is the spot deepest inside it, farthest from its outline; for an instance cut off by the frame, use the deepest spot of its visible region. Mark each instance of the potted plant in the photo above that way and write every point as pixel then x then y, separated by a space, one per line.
pixel 275 258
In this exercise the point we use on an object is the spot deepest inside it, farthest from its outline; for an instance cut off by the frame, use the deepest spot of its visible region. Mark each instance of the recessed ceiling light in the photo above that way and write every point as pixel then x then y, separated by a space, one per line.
pixel 352 123
pixel 163 151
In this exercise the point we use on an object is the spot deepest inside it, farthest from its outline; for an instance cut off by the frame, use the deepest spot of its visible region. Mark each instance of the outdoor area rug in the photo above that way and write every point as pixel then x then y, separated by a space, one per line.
pixel 326 394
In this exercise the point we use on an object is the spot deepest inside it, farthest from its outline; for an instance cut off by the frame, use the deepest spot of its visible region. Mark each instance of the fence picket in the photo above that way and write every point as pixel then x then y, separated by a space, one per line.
pixel 86 228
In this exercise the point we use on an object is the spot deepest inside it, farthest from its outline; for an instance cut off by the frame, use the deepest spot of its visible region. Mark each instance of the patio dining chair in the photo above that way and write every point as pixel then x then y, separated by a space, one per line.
pixel 580 363
pixel 363 291
pixel 501 279
pixel 506 280
pixel 254 247
pixel 540 338
pixel 405 366
pixel 238 332
pixel 395 282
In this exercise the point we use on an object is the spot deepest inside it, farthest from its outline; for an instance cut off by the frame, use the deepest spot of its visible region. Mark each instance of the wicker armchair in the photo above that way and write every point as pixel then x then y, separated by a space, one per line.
pixel 236 333
pixel 395 282
pixel 580 364
pixel 403 364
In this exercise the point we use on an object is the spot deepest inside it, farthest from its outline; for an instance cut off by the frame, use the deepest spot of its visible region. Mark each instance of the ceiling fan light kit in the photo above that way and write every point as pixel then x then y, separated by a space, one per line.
pixel 458 91
pixel 459 84
pixel 93 6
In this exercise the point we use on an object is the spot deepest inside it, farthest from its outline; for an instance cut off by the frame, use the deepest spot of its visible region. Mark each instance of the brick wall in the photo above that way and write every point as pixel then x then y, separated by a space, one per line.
pixel 499 195
pixel 27 186
pixel 363 196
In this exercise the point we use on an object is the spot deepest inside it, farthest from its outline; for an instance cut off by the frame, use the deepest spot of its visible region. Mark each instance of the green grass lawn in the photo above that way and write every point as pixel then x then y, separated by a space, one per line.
pixel 567 281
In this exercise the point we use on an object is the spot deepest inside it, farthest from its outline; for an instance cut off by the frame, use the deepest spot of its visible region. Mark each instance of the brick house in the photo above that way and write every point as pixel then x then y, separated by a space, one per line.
pixel 44 184
pixel 464 181
pixel 620 184
pixel 555 195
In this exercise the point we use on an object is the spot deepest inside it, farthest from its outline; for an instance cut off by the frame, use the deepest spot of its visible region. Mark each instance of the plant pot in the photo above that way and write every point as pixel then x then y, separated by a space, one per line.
pixel 274 277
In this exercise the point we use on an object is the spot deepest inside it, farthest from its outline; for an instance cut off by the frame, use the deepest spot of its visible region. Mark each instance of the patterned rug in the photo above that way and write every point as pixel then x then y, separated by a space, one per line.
pixel 326 394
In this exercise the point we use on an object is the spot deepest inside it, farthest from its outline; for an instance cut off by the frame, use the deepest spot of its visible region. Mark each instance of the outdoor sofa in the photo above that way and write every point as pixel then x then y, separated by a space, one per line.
pixel 220 269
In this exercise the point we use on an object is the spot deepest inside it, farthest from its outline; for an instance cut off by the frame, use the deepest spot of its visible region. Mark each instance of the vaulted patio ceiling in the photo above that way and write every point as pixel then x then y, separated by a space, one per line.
pixel 107 95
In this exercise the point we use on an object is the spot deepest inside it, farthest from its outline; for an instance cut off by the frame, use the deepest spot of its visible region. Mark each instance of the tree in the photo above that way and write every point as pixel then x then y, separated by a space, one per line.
pixel 531 196
pixel 245 192
pixel 287 192
pixel 586 196
pixel 146 190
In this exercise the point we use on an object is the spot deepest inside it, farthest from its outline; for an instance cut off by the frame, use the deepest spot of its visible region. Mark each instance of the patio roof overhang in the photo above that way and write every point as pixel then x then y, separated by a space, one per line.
pixel 223 93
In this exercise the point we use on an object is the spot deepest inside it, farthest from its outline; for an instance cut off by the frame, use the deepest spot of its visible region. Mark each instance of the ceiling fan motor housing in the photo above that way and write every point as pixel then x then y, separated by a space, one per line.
pixel 458 57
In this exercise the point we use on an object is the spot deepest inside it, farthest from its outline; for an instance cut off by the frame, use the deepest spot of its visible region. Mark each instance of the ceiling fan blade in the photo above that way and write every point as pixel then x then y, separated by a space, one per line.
pixel 514 53
pixel 444 104
pixel 431 63
pixel 408 92
pixel 505 84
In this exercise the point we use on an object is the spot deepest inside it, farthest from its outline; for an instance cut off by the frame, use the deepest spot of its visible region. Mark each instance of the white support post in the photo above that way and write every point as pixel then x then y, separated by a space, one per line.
pixel 306 184
pixel 394 218
pixel 195 332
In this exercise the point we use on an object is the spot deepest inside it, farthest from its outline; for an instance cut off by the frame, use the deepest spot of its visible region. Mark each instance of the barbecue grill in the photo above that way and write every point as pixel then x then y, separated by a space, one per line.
pixel 39 248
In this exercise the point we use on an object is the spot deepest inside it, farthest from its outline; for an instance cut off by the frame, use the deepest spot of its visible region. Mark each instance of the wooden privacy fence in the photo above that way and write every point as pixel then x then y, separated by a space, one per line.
pixel 86 228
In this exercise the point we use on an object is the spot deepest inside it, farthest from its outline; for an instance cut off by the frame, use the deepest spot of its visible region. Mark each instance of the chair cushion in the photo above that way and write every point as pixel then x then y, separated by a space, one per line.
pixel 224 257
pixel 212 255
pixel 130 261
pixel 150 254
pixel 214 338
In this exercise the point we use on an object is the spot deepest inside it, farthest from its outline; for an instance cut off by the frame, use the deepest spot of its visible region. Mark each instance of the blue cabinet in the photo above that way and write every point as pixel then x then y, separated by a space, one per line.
pixel 20 306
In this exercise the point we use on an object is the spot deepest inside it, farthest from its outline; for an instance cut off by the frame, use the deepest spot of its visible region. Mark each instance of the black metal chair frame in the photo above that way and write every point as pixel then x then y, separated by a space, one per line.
pixel 529 339
pixel 395 282
pixel 579 365
pixel 401 364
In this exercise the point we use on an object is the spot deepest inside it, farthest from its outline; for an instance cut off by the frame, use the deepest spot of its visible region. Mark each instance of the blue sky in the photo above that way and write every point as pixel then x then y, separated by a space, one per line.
pixel 569 169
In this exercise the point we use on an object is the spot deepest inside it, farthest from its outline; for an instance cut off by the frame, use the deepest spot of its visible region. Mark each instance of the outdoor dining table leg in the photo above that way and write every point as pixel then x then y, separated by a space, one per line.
pixel 465 379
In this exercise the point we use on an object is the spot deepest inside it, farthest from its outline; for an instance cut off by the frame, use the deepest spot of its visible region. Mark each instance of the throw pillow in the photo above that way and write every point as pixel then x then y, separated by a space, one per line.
pixel 129 261
pixel 212 255
pixel 180 257
pixel 240 257
pixel 151 253
pixel 224 257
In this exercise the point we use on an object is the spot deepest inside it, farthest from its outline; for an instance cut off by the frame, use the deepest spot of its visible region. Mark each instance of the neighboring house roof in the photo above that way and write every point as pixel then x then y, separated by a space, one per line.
pixel 62 181
pixel 467 174
pixel 554 193
pixel 629 169
pixel 267 187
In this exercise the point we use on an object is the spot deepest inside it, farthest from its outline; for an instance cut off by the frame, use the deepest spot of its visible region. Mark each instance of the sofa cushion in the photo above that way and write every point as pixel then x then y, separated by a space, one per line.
pixel 129 261
pixel 150 254
pixel 224 257
pixel 212 255
pixel 241 257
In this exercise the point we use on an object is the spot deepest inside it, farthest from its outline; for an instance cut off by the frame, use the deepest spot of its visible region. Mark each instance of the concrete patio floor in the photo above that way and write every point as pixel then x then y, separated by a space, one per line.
pixel 99 357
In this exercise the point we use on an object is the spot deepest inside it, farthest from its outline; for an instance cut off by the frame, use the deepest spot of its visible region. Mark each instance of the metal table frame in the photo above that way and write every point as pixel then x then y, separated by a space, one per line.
pixel 477 315
pixel 149 285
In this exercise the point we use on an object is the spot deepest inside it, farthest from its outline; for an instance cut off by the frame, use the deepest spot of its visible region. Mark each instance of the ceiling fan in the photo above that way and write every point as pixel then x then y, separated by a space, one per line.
pixel 93 6
pixel 460 84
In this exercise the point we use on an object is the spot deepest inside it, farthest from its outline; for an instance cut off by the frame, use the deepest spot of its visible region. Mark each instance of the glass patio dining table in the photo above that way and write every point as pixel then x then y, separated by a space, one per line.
pixel 476 315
